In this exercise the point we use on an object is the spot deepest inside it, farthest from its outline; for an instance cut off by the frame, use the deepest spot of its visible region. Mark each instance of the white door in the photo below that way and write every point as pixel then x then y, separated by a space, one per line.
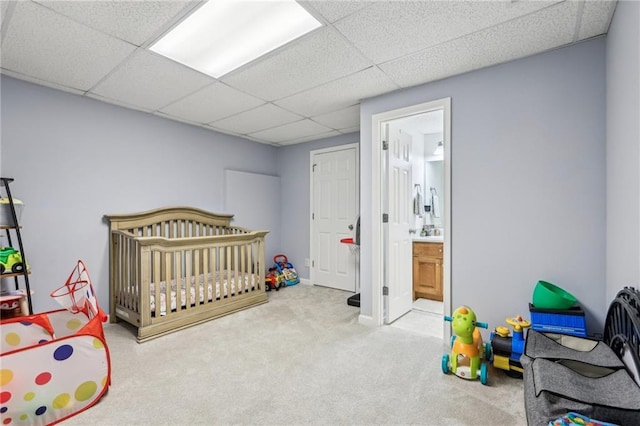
pixel 399 247
pixel 334 214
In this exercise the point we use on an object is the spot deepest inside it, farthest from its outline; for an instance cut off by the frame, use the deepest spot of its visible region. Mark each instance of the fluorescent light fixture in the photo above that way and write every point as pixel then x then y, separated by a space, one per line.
pixel 223 35
pixel 439 149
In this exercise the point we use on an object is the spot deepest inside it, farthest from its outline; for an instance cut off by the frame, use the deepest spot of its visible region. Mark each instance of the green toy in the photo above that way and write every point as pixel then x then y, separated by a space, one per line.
pixel 11 260
pixel 467 347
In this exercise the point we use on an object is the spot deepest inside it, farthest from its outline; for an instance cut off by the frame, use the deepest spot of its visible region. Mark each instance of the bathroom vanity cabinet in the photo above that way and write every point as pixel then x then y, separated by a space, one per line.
pixel 427 270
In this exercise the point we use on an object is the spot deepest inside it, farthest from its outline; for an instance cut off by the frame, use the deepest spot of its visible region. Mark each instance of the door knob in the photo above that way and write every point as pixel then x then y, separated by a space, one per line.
pixel 350 227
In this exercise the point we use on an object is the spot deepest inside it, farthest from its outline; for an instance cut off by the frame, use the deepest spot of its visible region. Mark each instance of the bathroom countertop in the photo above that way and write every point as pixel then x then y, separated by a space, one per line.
pixel 432 239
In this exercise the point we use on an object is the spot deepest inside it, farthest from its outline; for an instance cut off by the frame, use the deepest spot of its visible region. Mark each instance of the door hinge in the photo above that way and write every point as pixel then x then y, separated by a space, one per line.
pixel 313 263
pixel 313 216
pixel 385 217
pixel 385 291
pixel 313 168
pixel 385 145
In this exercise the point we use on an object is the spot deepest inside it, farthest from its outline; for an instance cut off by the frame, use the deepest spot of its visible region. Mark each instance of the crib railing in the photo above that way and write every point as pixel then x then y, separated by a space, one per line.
pixel 143 263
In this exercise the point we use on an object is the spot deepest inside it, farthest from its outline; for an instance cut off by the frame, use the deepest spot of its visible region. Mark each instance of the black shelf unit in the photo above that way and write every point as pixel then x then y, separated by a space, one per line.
pixel 4 182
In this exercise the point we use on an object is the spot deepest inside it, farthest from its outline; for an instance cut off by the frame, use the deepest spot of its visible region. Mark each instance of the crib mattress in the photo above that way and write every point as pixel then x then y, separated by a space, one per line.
pixel 246 282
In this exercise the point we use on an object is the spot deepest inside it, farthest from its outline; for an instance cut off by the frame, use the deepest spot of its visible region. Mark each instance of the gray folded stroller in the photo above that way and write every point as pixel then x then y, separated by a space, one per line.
pixel 598 379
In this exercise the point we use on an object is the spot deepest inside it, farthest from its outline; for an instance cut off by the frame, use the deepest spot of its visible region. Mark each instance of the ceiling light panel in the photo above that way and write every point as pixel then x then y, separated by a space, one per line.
pixel 212 103
pixel 319 58
pixel 133 21
pixel 223 35
pixel 45 45
pixel 151 81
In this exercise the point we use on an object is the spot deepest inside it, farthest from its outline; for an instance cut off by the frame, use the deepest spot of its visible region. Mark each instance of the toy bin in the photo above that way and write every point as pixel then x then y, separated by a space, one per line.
pixel 566 321
pixel 5 211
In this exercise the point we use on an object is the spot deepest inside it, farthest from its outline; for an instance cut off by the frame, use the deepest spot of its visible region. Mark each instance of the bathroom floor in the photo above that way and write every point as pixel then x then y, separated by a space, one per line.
pixel 425 318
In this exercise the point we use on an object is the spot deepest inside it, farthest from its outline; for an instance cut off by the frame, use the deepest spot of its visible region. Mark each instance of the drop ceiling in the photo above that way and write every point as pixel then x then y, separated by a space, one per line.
pixel 306 90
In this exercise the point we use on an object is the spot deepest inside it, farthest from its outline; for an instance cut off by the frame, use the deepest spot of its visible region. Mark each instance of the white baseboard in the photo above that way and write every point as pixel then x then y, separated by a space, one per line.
pixel 367 320
pixel 305 281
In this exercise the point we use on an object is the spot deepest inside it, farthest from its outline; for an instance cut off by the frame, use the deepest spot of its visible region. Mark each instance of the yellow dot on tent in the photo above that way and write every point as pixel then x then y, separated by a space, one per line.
pixel 97 343
pixel 12 339
pixel 61 401
pixel 29 396
pixel 74 324
pixel 24 417
pixel 6 376
pixel 86 391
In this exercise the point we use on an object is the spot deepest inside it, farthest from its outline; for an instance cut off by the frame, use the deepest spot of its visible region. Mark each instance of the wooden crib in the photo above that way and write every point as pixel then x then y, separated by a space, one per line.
pixel 175 267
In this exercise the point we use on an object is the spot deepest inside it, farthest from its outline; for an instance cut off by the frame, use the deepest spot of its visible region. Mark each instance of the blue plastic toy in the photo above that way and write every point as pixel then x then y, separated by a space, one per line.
pixel 507 350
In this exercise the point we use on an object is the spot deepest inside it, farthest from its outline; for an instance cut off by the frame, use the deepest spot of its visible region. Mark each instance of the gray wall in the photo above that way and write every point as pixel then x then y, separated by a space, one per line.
pixel 75 159
pixel 528 180
pixel 623 149
pixel 293 168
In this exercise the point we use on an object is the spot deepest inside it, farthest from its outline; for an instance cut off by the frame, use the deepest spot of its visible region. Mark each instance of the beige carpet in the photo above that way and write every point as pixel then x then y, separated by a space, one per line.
pixel 302 358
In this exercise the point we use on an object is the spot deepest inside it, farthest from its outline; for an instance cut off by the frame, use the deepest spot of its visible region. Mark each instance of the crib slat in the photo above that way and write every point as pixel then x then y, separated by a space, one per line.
pixel 155 279
pixel 228 269
pixel 195 285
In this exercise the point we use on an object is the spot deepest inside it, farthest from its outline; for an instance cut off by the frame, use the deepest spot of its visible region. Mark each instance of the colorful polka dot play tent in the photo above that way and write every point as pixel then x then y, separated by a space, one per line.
pixel 55 364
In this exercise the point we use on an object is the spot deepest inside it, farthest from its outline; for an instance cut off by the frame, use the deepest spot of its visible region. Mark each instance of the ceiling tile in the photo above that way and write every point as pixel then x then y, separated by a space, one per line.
pixel 517 38
pixel 212 103
pixel 260 118
pixel 341 119
pixel 339 94
pixel 151 81
pixel 389 30
pixel 350 130
pixel 596 17
pixel 133 21
pixel 43 44
pixel 117 102
pixel 335 10
pixel 546 29
pixel 320 57
pixel 4 7
pixel 42 82
pixel 297 130
pixel 310 138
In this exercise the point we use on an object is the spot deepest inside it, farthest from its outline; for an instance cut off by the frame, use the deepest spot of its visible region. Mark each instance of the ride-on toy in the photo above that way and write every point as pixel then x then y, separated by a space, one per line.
pixel 506 349
pixel 467 347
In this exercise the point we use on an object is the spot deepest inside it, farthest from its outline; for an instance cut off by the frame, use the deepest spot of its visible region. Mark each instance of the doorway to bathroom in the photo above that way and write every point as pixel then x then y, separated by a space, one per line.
pixel 414 172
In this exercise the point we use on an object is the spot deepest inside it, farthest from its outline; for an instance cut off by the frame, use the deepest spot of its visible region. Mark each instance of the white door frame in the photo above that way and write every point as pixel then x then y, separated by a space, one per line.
pixel 377 184
pixel 311 197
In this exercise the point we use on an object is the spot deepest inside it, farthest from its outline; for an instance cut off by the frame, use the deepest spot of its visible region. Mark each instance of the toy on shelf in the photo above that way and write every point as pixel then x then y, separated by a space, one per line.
pixel 10 261
pixel 508 349
pixel 467 348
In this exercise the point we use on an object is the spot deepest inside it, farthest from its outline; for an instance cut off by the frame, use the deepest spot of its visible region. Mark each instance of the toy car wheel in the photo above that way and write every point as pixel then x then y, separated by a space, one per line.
pixel 445 363
pixel 487 351
pixel 2 268
pixel 17 267
pixel 484 374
